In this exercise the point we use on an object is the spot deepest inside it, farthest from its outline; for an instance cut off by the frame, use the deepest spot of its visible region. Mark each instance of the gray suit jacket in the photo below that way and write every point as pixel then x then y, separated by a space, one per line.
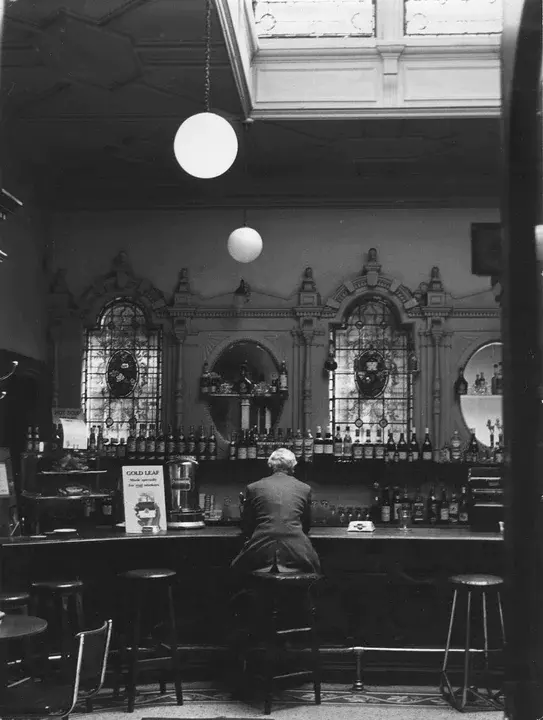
pixel 276 519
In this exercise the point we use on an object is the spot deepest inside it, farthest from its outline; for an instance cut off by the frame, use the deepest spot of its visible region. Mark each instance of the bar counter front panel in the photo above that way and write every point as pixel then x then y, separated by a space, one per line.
pixel 384 588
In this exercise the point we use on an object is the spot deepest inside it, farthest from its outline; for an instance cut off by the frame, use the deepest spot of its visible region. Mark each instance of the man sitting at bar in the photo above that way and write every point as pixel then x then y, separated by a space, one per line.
pixel 276 519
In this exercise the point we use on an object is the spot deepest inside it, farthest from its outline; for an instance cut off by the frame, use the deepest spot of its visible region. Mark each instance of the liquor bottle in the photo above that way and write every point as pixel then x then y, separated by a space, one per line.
pixel 274 384
pixel 418 514
pixel 375 509
pixel 454 509
pixel 270 442
pixel 121 449
pixel 170 444
pixel 328 447
pixel 338 445
pixel 180 442
pixel 211 444
pixel 190 444
pixel 402 448
pixel 245 385
pixel 201 443
pixel 242 446
pixel 347 445
pixel 494 380
pixel 309 446
pixel 131 445
pixel 251 444
pixel 92 441
pixel 461 385
pixel 385 506
pixel 261 446
pixel 463 511
pixel 280 441
pixel 357 449
pixel 379 447
pixel 433 507
pixel 283 378
pixel 37 442
pixel 30 439
pixel 472 451
pixel 289 440
pixel 205 380
pixel 483 388
pixel 444 508
pixel 150 444
pixel 390 449
pixel 160 446
pixel 368 446
pixel 413 454
pixel 140 442
pixel 318 445
pixel 233 447
pixel 499 380
pixel 298 445
pixel 406 500
pixel 498 452
pixel 456 447
pixel 396 504
pixel 427 450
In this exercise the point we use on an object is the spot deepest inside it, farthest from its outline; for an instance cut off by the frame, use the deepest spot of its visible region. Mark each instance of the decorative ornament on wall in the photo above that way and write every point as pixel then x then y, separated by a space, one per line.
pixel 371 374
pixel 122 374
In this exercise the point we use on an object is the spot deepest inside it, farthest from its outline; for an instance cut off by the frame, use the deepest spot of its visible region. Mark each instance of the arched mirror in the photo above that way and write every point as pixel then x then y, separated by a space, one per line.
pixel 250 360
pixel 481 404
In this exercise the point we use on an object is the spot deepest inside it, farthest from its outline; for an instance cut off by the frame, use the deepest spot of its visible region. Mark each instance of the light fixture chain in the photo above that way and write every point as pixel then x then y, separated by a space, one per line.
pixel 207 66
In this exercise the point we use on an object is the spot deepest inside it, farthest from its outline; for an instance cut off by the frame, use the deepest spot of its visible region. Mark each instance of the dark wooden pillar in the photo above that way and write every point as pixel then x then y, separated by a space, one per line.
pixel 522 304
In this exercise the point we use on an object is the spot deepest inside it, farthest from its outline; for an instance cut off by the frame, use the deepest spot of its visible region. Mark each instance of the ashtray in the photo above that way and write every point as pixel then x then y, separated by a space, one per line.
pixel 62 532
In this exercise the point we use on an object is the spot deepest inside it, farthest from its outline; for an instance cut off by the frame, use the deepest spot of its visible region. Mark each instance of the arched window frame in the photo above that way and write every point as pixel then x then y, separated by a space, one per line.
pixel 144 341
pixel 392 409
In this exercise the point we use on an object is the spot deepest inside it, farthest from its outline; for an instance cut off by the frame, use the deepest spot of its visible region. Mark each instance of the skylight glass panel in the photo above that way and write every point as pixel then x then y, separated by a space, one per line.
pixel 314 18
pixel 453 17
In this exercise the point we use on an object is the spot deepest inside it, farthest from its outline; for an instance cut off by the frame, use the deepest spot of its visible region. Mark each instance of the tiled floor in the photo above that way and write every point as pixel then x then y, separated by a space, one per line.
pixel 338 702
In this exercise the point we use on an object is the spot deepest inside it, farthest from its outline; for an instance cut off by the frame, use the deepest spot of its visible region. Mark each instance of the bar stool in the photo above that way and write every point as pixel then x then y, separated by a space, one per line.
pixel 140 586
pixel 60 601
pixel 482 585
pixel 15 602
pixel 278 591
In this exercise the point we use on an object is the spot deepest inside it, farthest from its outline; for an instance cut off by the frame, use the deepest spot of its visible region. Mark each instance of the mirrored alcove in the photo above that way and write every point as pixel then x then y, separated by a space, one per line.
pixel 262 370
pixel 481 406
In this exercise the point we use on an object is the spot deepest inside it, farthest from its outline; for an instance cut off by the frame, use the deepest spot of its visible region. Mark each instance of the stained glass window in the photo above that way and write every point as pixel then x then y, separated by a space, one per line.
pixel 122 370
pixel 372 385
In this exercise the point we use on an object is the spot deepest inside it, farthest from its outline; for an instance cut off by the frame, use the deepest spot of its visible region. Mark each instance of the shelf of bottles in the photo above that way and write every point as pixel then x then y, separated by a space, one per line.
pixel 246 391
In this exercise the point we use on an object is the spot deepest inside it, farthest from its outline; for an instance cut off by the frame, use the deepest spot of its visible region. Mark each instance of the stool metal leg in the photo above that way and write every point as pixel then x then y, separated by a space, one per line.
pixel 175 652
pixel 79 614
pixel 485 638
pixel 500 610
pixel 133 659
pixel 271 654
pixel 445 686
pixel 316 656
pixel 467 658
pixel 65 635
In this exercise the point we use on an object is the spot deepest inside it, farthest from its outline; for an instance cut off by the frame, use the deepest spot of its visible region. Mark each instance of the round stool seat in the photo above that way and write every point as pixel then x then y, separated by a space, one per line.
pixel 476 580
pixel 61 586
pixel 14 598
pixel 286 578
pixel 148 574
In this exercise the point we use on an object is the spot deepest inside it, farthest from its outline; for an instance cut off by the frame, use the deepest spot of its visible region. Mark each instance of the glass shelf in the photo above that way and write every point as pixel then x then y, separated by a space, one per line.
pixel 71 472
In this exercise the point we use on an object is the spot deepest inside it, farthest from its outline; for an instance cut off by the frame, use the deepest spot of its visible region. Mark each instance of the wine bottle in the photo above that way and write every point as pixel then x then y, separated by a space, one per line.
pixel 298 445
pixel 463 512
pixel 444 508
pixel 212 444
pixel 402 448
pixel 170 443
pixel 160 446
pixel 347 445
pixel 180 442
pixel 318 445
pixel 414 450
pixel 338 445
pixel 242 446
pixel 390 449
pixel 150 444
pixel 357 449
pixel 328 447
pixel 368 446
pixel 190 444
pixel 385 506
pixel 251 445
pixel 472 451
pixel 418 508
pixel 283 378
pixel 461 385
pixel 233 447
pixel 131 445
pixel 427 450
pixel 433 509
pixel 396 504
pixel 309 445
pixel 456 447
pixel 379 448
pixel 140 442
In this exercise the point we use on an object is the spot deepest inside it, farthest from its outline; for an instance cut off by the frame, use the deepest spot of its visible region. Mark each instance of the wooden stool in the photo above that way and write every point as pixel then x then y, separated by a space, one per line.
pixel 54 597
pixel 468 585
pixel 139 586
pixel 278 592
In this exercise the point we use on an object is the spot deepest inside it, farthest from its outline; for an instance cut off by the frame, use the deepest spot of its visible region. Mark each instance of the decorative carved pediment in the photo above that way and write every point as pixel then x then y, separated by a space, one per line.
pixel 121 281
pixel 371 280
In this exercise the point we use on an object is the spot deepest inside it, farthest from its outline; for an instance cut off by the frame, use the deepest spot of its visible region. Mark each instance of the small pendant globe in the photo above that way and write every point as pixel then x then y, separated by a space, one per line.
pixel 206 145
pixel 244 244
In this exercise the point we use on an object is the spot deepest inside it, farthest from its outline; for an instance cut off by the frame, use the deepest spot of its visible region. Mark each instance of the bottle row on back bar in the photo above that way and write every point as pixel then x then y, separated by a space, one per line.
pixel 150 444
